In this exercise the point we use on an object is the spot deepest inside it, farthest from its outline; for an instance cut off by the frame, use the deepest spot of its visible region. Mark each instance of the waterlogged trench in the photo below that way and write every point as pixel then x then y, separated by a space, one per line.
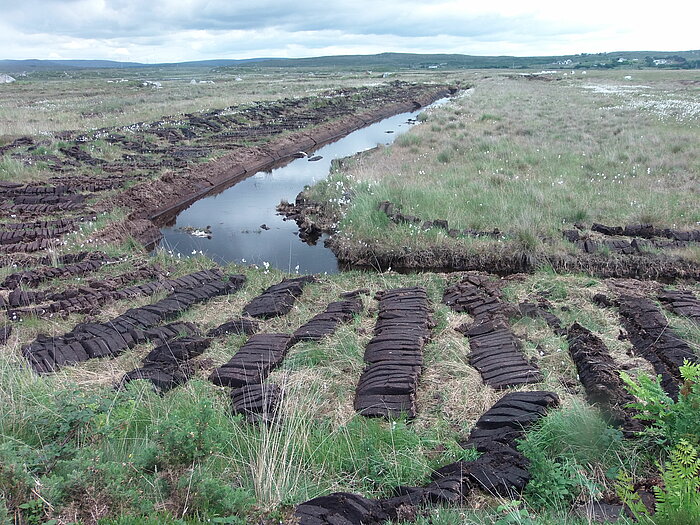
pixel 235 216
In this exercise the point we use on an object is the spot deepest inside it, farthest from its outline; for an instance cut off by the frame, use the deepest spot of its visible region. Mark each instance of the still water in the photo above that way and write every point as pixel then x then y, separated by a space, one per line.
pixel 235 216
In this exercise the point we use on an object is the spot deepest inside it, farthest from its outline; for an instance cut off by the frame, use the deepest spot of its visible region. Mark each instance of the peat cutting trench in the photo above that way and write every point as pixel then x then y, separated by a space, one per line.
pixel 227 208
pixel 241 224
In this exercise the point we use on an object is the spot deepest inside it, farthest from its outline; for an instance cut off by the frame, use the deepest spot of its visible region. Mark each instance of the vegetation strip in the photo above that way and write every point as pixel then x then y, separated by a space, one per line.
pixel 387 387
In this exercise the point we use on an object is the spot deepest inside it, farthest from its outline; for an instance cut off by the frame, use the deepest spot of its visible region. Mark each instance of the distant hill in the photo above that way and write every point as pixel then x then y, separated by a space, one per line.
pixel 53 65
pixel 390 61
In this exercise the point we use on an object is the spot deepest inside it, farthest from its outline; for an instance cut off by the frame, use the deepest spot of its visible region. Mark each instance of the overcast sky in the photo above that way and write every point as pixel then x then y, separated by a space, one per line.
pixel 179 30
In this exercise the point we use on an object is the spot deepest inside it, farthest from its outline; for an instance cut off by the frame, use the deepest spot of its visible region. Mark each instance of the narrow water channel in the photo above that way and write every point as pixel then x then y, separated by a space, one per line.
pixel 242 220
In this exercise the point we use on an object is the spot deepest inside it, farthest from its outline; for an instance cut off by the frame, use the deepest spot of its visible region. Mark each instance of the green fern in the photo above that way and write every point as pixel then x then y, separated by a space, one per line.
pixel 625 491
pixel 679 500
pixel 672 421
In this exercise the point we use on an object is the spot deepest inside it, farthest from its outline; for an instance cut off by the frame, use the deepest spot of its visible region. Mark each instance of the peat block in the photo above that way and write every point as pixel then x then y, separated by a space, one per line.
pixel 277 299
pixel 681 302
pixel 163 378
pixel 387 387
pixel 325 323
pixel 341 508
pixel 178 350
pixel 257 402
pixel 239 326
pixel 92 340
pixel 600 377
pixel 253 362
pixel 654 340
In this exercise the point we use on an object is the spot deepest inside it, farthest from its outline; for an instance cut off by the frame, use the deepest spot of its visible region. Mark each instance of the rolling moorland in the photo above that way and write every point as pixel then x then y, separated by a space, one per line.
pixel 514 341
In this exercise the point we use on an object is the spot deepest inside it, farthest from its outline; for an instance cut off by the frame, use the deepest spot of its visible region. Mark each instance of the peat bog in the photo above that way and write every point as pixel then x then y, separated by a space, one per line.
pixel 508 376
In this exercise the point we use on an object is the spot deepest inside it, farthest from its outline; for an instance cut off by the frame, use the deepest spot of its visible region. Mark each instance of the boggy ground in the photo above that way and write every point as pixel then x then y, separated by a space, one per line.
pixel 76 450
pixel 539 162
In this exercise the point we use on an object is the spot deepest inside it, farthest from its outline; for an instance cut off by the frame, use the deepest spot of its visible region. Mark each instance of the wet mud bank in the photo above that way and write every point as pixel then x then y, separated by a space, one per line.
pixel 439 259
pixel 158 201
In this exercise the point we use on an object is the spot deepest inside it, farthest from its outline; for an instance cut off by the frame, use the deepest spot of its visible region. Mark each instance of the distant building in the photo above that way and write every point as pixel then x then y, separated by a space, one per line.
pixel 6 79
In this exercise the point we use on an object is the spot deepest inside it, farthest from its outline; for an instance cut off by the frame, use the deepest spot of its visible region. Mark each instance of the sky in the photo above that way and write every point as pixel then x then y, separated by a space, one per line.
pixel 154 31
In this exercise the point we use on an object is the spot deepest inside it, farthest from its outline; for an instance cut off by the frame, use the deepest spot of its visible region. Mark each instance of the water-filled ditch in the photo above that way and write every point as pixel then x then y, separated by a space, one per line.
pixel 241 224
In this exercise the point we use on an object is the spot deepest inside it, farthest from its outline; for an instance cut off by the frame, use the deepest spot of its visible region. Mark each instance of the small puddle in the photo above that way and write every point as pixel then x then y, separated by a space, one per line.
pixel 241 223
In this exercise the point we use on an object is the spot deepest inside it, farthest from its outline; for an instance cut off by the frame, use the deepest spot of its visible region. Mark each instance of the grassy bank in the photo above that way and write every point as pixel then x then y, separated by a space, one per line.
pixel 530 158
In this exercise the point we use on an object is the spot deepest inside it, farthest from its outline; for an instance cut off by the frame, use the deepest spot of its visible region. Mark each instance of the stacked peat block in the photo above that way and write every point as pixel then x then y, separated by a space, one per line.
pixel 91 262
pixel 645 237
pixel 653 339
pixel 600 378
pixel 29 247
pixel 277 299
pixel 254 361
pixel 246 372
pixel 387 387
pixel 86 299
pixel 648 231
pixel 682 302
pixel 239 326
pixel 27 260
pixel 15 233
pixel 93 340
pixel 326 323
pixel 495 350
pixel 397 217
pixel 342 508
pixel 500 469
pixel 167 365
pixel 588 245
pixel 35 210
pixel 258 402
pixel 31 234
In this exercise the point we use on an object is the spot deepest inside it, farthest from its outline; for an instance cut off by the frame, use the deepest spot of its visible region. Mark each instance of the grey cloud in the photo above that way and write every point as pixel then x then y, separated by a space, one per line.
pixel 86 19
